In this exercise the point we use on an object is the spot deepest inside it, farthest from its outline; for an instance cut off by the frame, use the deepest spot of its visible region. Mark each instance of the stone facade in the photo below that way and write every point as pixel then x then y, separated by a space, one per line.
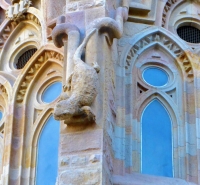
pixel 99 50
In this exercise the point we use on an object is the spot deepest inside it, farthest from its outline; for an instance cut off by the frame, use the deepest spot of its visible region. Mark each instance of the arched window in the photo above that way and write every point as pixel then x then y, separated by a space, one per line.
pixel 156 140
pixel 157 109
pixel 47 158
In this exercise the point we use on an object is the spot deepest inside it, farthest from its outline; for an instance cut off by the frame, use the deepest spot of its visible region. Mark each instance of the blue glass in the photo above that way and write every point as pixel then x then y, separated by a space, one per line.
pixel 155 76
pixel 156 141
pixel 52 92
pixel 1 115
pixel 47 159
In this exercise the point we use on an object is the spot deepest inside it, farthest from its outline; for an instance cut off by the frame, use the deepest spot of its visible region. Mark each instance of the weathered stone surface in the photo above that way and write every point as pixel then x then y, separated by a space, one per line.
pixel 80 142
pixel 86 176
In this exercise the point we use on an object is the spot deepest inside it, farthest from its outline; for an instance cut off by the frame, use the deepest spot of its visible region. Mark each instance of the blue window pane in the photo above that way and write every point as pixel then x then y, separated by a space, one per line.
pixel 52 92
pixel 1 115
pixel 155 76
pixel 47 159
pixel 156 141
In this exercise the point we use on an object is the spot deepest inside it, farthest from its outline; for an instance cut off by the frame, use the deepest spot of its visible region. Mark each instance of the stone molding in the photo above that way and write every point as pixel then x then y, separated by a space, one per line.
pixel 159 37
pixel 168 6
pixel 10 26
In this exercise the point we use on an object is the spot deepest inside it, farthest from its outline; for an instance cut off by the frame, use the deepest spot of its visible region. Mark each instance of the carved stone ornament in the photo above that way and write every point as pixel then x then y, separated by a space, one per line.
pixel 16 11
pixel 83 86
pixel 80 90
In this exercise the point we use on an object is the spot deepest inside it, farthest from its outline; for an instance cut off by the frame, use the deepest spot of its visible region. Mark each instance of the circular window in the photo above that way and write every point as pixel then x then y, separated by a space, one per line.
pixel 189 34
pixel 1 115
pixel 52 92
pixel 155 76
pixel 24 58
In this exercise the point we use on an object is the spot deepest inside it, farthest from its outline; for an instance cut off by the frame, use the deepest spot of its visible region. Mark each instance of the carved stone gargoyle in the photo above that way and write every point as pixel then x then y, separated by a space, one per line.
pixel 82 83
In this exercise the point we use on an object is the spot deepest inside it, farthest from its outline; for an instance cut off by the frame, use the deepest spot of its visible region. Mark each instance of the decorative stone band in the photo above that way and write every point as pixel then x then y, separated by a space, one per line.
pixel 166 9
pixel 6 31
pixel 11 25
pixel 162 40
pixel 32 69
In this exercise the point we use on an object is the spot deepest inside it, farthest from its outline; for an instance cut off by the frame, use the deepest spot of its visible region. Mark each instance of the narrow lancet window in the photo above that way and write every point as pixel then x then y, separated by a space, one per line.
pixel 156 140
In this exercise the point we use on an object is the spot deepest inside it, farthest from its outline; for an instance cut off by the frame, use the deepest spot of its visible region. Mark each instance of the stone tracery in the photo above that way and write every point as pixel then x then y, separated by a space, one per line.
pixel 167 43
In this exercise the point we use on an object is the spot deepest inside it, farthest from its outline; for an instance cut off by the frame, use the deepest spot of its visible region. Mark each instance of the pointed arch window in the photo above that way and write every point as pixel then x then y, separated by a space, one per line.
pixel 47 159
pixel 156 140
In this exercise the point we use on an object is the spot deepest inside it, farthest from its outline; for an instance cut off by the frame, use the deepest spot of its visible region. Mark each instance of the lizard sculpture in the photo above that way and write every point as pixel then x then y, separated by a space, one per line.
pixel 82 84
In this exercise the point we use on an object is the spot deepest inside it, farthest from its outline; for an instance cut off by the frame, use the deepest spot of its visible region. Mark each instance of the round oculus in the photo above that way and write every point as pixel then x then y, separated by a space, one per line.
pixel 189 34
pixel 52 92
pixel 155 76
